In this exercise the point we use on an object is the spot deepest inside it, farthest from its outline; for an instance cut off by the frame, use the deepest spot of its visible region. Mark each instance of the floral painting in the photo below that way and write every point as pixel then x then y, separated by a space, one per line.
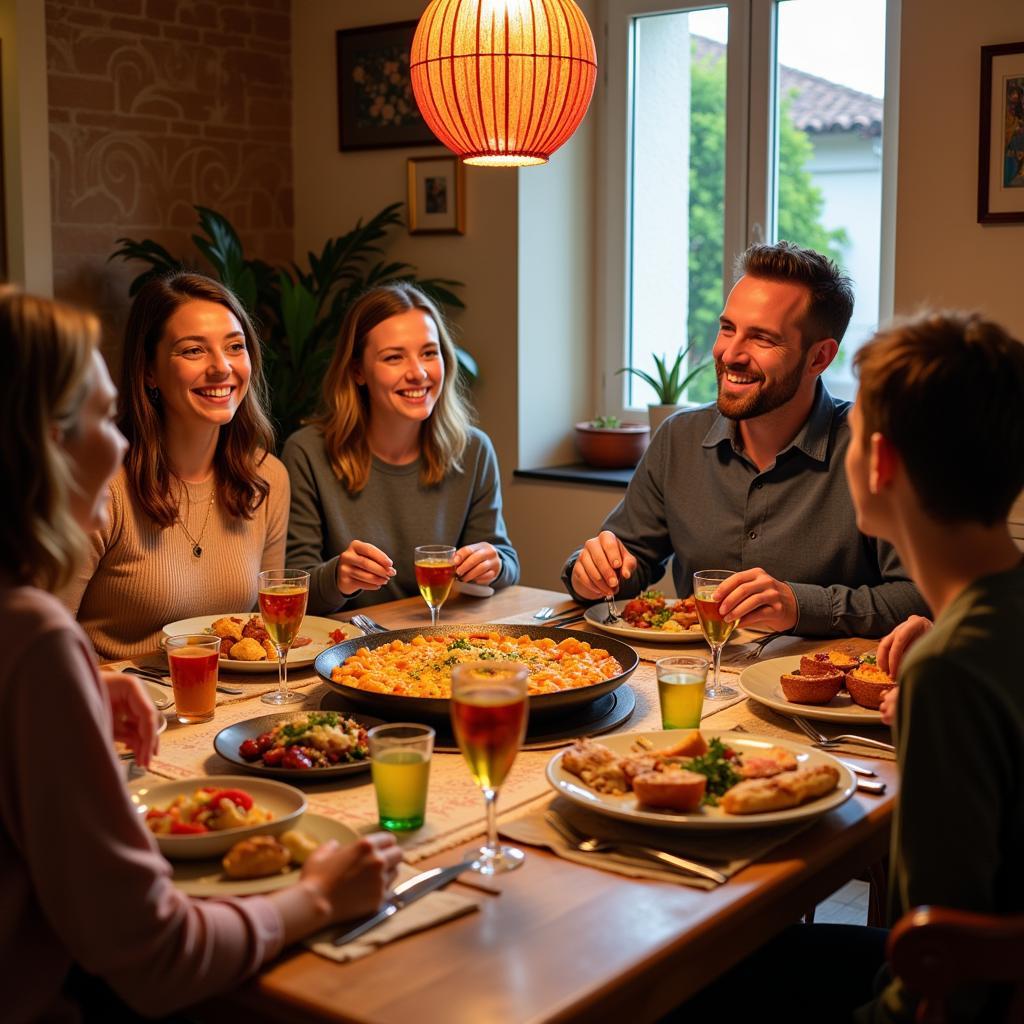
pixel 376 106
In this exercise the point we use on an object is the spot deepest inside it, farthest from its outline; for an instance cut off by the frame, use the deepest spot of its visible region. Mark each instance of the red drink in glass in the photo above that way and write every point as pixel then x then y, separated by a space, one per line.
pixel 193 662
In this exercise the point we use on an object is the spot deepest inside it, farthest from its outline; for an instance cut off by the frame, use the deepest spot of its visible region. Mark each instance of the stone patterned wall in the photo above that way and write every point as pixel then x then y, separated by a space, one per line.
pixel 157 106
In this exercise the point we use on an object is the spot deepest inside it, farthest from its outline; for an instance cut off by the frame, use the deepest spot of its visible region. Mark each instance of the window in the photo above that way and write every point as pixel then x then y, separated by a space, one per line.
pixel 749 120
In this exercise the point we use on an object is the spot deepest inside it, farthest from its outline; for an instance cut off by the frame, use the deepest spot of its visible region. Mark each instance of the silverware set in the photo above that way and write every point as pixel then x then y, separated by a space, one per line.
pixel 154 675
pixel 759 646
pixel 592 844
pixel 821 740
pixel 368 625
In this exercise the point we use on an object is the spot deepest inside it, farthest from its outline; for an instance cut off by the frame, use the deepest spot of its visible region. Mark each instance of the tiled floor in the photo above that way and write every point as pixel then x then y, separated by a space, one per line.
pixel 848 905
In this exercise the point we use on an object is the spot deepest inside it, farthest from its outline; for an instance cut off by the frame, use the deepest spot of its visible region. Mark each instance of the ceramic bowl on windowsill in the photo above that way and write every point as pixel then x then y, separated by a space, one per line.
pixel 606 447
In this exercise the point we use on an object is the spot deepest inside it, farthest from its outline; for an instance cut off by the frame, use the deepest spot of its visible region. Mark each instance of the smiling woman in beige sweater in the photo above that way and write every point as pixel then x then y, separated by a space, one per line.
pixel 200 506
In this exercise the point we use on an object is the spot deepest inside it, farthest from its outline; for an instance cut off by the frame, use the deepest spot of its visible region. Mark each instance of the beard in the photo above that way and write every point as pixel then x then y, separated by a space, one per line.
pixel 764 398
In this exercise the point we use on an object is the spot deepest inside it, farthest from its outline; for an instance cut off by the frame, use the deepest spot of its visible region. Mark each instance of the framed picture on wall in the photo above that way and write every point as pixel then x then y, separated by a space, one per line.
pixel 436 199
pixel 376 106
pixel 1001 143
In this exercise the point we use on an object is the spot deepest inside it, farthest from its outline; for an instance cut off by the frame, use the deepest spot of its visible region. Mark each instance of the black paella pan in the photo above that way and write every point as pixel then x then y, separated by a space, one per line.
pixel 394 707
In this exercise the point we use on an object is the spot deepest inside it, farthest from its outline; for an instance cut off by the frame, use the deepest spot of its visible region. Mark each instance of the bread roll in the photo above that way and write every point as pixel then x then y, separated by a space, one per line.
pixel 675 788
pixel 256 858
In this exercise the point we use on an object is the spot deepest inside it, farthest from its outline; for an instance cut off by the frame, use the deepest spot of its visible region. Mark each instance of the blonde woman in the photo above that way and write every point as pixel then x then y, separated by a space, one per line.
pixel 200 506
pixel 110 905
pixel 392 462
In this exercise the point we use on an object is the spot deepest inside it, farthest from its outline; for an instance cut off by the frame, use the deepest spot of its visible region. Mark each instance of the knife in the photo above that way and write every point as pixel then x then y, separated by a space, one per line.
pixel 408 892
pixel 154 676
pixel 867 786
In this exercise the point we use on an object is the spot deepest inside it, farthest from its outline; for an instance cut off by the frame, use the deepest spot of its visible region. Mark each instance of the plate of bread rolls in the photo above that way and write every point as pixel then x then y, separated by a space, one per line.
pixel 701 779
pixel 830 685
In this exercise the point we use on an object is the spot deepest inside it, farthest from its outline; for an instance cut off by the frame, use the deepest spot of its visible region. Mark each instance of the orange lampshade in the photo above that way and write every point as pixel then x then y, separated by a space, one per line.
pixel 503 83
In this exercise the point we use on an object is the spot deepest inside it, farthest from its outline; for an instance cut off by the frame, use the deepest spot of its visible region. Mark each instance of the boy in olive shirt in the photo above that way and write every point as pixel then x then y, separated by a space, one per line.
pixel 935 462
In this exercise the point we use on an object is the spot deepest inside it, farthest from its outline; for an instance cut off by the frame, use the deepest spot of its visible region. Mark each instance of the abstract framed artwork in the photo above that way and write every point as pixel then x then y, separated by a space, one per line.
pixel 436 195
pixel 376 106
pixel 1001 137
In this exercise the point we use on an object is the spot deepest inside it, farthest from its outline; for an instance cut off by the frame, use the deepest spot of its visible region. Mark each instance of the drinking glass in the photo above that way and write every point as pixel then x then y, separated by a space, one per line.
pixel 681 690
pixel 489 709
pixel 435 573
pixel 400 765
pixel 283 594
pixel 193 660
pixel 717 629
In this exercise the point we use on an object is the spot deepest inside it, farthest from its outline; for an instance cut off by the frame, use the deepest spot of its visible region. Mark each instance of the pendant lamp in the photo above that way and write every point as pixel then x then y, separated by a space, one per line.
pixel 503 83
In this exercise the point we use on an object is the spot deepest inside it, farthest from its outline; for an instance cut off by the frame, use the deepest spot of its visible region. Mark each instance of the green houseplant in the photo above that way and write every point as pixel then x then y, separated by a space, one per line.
pixel 299 311
pixel 669 384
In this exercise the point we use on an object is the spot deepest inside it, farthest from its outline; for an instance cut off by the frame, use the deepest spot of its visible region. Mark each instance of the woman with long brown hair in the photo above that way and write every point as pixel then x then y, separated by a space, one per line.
pixel 201 505
pixel 392 462
pixel 81 878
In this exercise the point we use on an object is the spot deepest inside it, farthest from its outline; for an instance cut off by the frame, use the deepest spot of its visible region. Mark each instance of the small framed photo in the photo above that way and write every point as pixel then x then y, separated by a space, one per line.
pixel 1001 142
pixel 376 105
pixel 436 196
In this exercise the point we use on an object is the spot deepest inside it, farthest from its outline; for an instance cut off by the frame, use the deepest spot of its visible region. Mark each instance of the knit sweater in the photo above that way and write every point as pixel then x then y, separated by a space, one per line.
pixel 140 576
pixel 394 512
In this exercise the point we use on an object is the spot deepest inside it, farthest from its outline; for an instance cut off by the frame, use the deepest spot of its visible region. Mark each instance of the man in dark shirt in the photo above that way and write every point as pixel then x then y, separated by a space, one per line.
pixel 756 485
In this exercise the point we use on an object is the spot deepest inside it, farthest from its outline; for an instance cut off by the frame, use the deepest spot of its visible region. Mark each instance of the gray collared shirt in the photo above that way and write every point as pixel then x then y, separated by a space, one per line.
pixel 697 496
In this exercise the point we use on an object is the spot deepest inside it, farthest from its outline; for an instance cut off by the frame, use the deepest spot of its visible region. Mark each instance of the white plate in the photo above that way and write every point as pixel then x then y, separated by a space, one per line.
pixel 761 681
pixel 707 818
pixel 286 803
pixel 206 877
pixel 316 628
pixel 595 615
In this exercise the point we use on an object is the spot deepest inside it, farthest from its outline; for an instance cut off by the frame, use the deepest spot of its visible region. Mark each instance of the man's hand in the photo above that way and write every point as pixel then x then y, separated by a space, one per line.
pixel 603 564
pixel 757 599
pixel 135 717
pixel 478 563
pixel 361 566
pixel 893 648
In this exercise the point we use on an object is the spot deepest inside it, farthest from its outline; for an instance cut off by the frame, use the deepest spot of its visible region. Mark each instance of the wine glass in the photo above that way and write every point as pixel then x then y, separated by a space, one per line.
pixel 489 710
pixel 435 573
pixel 283 594
pixel 717 629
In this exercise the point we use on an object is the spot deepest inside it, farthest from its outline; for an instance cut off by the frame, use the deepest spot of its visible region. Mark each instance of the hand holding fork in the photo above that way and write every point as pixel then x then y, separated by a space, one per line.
pixel 603 564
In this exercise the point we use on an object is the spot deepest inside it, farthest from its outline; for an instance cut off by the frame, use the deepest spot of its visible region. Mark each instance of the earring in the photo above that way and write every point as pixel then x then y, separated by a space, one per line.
pixel 154 394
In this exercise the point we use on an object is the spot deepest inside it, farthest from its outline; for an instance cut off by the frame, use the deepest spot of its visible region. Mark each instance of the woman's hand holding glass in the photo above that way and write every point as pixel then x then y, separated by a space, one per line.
pixel 361 566
pixel 477 563
pixel 135 718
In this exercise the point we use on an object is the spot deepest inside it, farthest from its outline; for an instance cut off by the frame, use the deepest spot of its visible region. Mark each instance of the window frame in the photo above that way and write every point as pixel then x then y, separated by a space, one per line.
pixel 750 163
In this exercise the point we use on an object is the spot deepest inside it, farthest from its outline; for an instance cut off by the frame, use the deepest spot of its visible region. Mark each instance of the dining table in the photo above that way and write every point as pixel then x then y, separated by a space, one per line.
pixel 555 940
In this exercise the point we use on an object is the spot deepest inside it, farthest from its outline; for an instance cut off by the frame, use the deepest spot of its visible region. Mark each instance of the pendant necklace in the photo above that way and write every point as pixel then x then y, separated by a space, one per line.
pixel 197 545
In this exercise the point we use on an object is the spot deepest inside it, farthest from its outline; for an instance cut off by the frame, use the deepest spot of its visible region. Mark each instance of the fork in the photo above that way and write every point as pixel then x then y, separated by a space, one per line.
pixel 367 625
pixel 592 844
pixel 613 616
pixel 544 613
pixel 759 645
pixel 821 740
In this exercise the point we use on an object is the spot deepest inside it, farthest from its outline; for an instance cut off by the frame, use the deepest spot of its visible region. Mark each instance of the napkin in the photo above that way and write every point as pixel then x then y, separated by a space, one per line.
pixel 434 908
pixel 727 852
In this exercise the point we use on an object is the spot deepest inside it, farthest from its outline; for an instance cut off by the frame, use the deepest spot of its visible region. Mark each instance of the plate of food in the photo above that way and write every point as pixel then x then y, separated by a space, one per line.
pixel 261 863
pixel 701 780
pixel 655 619
pixel 245 646
pixel 404 674
pixel 298 746
pixel 203 817
pixel 831 686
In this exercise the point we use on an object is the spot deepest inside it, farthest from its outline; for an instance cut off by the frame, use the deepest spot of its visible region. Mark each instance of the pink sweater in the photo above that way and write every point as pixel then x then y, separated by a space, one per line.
pixel 81 878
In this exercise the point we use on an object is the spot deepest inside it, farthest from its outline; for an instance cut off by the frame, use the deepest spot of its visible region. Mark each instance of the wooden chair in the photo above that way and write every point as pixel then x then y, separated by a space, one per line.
pixel 934 951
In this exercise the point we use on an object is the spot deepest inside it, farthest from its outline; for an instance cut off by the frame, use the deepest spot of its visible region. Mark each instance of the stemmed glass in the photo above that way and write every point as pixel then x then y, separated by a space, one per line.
pixel 283 594
pixel 717 629
pixel 489 711
pixel 435 573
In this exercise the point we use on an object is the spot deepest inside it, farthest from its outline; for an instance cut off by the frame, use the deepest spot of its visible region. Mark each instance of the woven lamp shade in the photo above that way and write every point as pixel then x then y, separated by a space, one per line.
pixel 503 83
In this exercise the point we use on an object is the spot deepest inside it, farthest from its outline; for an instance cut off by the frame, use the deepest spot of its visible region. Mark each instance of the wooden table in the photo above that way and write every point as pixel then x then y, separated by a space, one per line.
pixel 564 942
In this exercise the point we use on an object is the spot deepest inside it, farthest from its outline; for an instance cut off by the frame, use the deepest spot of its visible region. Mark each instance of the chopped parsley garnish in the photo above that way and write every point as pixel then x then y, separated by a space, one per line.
pixel 462 644
pixel 720 773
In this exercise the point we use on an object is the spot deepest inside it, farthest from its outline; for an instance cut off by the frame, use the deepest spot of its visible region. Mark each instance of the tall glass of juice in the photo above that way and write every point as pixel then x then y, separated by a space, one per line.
pixel 716 628
pixel 193 660
pixel 283 594
pixel 681 690
pixel 489 712
pixel 435 573
pixel 400 762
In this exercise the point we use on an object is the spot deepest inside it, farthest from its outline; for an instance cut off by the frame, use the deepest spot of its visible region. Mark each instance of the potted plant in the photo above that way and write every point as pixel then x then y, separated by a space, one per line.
pixel 299 311
pixel 607 443
pixel 669 384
